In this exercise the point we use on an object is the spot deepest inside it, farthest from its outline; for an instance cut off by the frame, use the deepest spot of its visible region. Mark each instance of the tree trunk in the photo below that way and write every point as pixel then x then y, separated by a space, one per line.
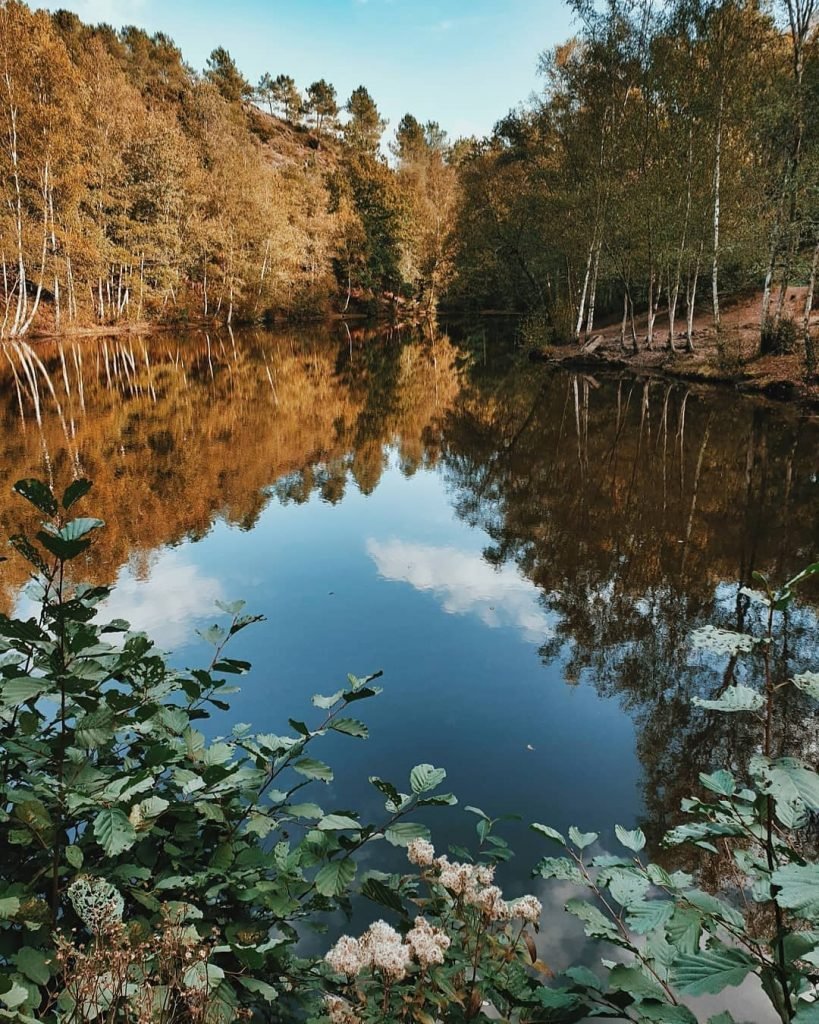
pixel 716 224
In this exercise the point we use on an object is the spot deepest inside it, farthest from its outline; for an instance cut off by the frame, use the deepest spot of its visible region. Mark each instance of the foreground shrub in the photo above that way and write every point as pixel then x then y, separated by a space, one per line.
pixel 108 788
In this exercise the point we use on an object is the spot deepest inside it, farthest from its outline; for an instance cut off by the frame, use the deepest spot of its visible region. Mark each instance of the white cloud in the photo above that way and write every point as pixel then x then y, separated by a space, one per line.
pixel 174 599
pixel 465 584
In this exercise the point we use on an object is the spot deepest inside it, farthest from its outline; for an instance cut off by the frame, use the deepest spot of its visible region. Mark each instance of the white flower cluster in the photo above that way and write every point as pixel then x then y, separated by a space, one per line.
pixel 339 1011
pixel 428 943
pixel 380 948
pixel 98 904
pixel 473 883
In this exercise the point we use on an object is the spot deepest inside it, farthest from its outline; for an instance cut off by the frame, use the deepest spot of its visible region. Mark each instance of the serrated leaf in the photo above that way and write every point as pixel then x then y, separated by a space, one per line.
pixel 582 839
pixel 627 887
pixel 798 889
pixel 114 832
pixel 14 692
pixel 378 892
pixel 335 878
pixel 351 727
pixel 402 833
pixel 635 840
pixel 259 988
pixel 597 926
pixel 561 868
pixel 684 930
pixel 95 729
pixel 709 971
pixel 314 769
pixel 549 832
pixel 648 915
pixel 722 782
pixel 325 703
pixel 338 823
pixel 424 778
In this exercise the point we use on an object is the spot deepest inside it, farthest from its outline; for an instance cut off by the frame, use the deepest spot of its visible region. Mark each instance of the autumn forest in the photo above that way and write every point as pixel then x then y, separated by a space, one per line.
pixel 670 164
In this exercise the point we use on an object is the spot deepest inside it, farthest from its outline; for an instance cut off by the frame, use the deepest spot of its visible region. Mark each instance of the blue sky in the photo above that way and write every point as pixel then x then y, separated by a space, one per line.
pixel 463 63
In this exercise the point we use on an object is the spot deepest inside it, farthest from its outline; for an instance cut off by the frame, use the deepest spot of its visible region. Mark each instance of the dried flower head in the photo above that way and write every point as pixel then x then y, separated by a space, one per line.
pixel 421 852
pixel 385 950
pixel 527 908
pixel 346 957
pixel 339 1011
pixel 428 943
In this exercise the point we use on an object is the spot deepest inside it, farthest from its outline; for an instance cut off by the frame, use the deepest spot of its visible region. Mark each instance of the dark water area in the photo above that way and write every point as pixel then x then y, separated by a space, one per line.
pixel 523 552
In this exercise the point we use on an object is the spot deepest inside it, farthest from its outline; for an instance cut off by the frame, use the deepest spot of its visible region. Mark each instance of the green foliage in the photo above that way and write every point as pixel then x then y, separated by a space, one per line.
pixel 107 783
pixel 677 939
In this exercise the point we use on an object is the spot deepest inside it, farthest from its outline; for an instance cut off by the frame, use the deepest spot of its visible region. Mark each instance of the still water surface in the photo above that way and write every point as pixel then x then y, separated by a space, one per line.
pixel 523 552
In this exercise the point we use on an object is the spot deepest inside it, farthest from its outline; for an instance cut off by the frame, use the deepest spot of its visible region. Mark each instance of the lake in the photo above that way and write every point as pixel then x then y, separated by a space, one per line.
pixel 523 551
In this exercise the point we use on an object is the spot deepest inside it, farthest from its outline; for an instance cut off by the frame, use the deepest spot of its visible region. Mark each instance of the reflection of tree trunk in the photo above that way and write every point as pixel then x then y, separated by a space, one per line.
pixel 694 492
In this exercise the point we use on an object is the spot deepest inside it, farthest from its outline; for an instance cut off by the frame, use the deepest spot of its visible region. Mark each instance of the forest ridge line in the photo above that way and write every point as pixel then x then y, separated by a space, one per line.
pixel 668 167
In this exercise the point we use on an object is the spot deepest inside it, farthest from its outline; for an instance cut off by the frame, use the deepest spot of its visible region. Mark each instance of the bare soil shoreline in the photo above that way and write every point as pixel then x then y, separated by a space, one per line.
pixel 738 365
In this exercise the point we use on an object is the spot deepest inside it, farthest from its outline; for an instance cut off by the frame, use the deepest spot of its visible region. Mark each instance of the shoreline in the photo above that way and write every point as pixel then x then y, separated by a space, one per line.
pixel 777 378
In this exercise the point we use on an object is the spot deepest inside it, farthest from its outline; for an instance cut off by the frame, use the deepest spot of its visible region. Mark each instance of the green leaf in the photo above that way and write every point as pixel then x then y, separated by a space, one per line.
pixel 627 887
pixel 723 1018
pixel 644 917
pixel 549 832
pixel 709 971
pixel 95 729
pixel 33 963
pixel 631 979
pixel 378 892
pixel 14 692
pixel 335 878
pixel 721 782
pixel 202 976
pixel 259 988
pixel 684 930
pixel 561 868
pixel 9 906
pixel 582 839
pixel 799 889
pixel 114 831
pixel 351 727
pixel 39 494
pixel 325 703
pixel 806 1013
pixel 635 840
pixel 735 698
pixel 792 784
pixel 402 833
pixel 424 778
pixel 73 854
pixel 75 490
pixel 314 769
pixel 597 925
pixel 79 528
pixel 337 822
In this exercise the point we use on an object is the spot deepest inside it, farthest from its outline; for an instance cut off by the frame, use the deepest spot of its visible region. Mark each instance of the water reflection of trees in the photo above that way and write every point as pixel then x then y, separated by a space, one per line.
pixel 178 431
pixel 639 509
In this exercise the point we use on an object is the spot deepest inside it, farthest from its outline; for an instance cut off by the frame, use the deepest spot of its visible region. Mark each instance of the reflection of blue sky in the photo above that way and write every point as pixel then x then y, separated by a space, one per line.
pixel 464 583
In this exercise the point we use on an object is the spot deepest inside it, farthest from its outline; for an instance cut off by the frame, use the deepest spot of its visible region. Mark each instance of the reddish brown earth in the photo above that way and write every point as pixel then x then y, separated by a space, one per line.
pixel 739 364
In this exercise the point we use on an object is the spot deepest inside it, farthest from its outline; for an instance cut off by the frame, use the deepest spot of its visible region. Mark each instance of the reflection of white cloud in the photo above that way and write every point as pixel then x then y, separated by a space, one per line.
pixel 465 584
pixel 167 605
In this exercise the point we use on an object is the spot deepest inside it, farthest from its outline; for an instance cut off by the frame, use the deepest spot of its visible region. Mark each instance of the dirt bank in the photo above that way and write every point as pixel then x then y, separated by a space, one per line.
pixel 736 363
